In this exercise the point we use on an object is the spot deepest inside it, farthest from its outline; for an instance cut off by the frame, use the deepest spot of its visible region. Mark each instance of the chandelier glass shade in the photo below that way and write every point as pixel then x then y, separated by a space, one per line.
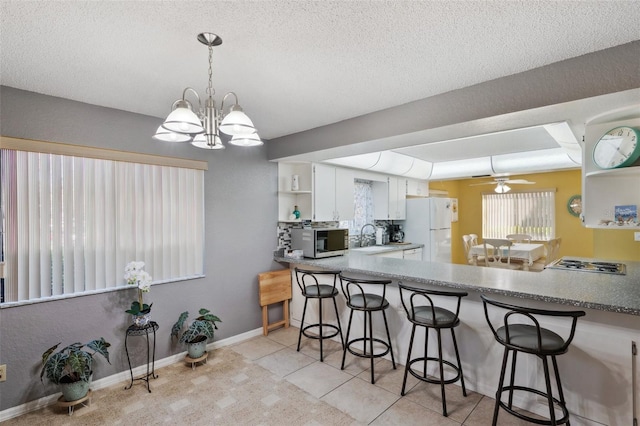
pixel 201 127
pixel 246 140
pixel 165 135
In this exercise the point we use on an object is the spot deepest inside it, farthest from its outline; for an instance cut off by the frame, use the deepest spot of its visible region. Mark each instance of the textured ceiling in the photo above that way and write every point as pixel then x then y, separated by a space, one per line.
pixel 295 65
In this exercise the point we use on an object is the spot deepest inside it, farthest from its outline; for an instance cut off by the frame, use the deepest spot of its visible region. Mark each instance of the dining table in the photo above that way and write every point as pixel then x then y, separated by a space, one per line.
pixel 527 253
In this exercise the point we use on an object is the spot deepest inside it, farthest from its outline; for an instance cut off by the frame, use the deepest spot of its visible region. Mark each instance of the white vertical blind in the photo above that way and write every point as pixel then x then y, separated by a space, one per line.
pixel 530 213
pixel 71 224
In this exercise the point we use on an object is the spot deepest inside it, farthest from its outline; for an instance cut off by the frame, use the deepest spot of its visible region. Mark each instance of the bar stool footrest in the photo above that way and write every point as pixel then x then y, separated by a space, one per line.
pixel 565 412
pixel 324 336
pixel 420 376
pixel 365 354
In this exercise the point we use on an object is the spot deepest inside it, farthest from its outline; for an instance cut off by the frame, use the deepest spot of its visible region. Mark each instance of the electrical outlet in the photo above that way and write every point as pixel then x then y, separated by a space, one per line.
pixel 636 236
pixel 3 372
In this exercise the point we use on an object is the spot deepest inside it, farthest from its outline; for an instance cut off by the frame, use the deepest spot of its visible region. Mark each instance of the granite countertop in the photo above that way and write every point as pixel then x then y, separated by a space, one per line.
pixel 386 248
pixel 606 292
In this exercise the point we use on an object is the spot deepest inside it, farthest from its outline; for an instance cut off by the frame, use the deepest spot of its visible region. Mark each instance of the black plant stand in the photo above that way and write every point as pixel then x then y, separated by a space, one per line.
pixel 144 330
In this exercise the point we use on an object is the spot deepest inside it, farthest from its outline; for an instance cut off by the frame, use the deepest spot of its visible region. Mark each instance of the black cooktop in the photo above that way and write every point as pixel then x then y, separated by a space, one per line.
pixel 589 266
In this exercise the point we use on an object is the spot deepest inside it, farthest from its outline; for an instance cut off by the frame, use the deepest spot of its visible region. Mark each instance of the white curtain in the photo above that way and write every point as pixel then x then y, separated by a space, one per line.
pixel 530 213
pixel 71 224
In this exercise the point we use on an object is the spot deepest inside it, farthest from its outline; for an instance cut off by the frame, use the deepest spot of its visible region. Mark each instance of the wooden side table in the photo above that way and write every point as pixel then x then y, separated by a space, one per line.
pixel 71 404
pixel 274 286
pixel 144 330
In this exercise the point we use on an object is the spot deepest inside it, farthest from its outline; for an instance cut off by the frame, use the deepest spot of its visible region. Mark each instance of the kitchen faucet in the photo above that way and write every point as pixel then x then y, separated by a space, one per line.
pixel 362 229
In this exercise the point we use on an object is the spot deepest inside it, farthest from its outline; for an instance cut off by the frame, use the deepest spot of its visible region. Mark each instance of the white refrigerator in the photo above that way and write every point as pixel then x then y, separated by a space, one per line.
pixel 428 222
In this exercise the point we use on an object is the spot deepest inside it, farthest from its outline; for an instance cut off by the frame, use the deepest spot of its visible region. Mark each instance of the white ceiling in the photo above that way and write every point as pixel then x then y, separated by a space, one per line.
pixel 295 65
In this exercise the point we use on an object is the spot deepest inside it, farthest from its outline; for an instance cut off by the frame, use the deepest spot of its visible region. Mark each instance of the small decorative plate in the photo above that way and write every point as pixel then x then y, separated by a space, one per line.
pixel 574 205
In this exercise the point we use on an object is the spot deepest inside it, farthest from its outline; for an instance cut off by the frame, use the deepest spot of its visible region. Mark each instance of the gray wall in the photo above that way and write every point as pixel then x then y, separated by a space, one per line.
pixel 606 71
pixel 240 222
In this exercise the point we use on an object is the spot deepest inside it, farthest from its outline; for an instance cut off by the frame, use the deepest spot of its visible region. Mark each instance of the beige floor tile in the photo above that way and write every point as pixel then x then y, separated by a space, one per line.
pixel 311 347
pixel 257 347
pixel 284 336
pixel 483 415
pixel 285 361
pixel 406 413
pixel 352 364
pixel 388 378
pixel 360 399
pixel 318 378
pixel 458 406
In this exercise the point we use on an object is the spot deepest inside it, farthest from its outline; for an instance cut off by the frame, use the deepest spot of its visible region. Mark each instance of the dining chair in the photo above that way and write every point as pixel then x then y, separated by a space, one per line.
pixel 497 253
pixel 551 249
pixel 466 243
pixel 519 238
pixel 470 240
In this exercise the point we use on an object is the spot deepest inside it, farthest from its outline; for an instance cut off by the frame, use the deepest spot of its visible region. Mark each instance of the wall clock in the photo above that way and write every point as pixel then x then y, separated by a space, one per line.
pixel 618 147
pixel 574 205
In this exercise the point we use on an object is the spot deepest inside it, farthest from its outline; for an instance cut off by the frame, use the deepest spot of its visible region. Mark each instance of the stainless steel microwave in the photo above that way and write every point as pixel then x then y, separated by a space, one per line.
pixel 320 242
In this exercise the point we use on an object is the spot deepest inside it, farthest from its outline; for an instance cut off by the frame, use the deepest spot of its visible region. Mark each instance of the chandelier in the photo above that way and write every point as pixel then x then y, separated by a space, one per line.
pixel 202 127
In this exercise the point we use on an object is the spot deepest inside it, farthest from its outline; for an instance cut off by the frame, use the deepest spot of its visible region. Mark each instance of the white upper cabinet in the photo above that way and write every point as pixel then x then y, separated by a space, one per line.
pixel 345 206
pixel 332 193
pixel 390 198
pixel 417 188
pixel 397 198
pixel 603 189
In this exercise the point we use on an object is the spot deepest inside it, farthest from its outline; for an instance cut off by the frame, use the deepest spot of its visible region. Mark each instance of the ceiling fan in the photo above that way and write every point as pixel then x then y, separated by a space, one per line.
pixel 501 184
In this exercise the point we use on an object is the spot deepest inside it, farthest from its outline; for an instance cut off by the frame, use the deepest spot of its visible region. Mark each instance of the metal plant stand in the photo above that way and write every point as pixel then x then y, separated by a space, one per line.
pixel 144 330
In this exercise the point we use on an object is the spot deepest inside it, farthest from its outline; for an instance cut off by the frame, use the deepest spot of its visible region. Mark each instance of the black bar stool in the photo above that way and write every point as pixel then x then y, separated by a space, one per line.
pixel 359 300
pixel 422 312
pixel 311 289
pixel 529 337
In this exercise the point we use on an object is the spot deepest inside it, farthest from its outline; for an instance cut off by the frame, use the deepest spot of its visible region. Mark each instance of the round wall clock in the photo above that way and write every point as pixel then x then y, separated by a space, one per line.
pixel 574 205
pixel 618 147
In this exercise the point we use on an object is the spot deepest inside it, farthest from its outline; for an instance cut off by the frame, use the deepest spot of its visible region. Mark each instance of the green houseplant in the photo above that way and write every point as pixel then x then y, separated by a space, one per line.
pixel 196 334
pixel 71 366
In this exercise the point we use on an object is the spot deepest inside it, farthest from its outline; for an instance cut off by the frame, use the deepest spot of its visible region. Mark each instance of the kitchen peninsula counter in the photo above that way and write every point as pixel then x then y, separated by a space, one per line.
pixel 597 372
pixel 606 292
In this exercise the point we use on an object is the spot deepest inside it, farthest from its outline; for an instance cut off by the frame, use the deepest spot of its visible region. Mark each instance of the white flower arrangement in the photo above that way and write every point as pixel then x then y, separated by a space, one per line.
pixel 134 274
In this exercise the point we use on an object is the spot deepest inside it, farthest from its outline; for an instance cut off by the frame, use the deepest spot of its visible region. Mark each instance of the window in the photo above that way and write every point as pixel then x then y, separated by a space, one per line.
pixel 530 213
pixel 70 224
pixel 363 207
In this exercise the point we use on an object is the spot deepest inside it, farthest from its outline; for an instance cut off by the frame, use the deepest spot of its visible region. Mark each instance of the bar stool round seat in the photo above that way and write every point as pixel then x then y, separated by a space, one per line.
pixel 533 339
pixel 311 288
pixel 421 311
pixel 359 298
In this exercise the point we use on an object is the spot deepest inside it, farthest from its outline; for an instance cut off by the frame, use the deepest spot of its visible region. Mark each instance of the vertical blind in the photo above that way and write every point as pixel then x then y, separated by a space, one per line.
pixel 71 224
pixel 530 213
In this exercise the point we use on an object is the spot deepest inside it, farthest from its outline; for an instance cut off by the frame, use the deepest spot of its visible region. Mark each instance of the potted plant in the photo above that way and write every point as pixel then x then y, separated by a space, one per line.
pixel 134 274
pixel 197 333
pixel 71 367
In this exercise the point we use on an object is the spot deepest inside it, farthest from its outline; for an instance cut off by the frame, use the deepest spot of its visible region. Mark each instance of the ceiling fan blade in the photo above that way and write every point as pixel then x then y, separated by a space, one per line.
pixel 482 183
pixel 519 181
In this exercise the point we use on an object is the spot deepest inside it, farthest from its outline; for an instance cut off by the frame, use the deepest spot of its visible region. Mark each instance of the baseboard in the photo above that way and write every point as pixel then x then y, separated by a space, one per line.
pixel 122 376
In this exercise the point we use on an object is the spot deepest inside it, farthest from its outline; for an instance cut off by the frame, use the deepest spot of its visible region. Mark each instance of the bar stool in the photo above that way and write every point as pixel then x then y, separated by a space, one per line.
pixel 422 312
pixel 312 289
pixel 529 337
pixel 359 300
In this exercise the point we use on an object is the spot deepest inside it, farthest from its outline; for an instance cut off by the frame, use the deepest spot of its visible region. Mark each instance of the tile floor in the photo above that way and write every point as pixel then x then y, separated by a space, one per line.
pixel 265 381
pixel 351 392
